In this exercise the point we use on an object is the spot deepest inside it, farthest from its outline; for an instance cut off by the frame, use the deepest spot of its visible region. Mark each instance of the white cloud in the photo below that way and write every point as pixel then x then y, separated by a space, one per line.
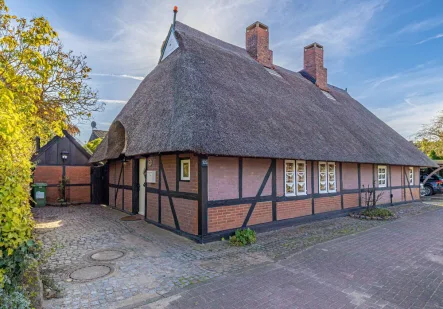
pixel 405 100
pixel 112 101
pixel 440 35
pixel 118 75
pixel 423 25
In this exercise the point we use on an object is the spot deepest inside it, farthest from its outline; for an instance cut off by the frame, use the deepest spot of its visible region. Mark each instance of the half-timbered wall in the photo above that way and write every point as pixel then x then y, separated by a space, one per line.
pixel 244 192
pixel 169 202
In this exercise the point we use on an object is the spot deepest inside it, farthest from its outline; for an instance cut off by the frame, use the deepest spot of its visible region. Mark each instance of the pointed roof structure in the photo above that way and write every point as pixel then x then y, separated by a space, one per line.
pixel 211 97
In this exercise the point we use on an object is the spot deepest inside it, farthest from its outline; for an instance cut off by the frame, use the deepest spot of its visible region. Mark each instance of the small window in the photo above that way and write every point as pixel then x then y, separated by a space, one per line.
pixel 326 177
pixel 289 177
pixel 411 176
pixel 301 177
pixel 295 177
pixel 185 169
pixel 382 176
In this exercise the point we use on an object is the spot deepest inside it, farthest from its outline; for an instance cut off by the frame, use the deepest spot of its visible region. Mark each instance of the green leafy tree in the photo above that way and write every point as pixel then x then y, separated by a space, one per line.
pixel 42 91
pixel 92 145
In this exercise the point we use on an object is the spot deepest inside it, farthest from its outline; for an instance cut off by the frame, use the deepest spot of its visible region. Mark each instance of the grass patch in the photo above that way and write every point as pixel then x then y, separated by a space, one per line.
pixel 377 212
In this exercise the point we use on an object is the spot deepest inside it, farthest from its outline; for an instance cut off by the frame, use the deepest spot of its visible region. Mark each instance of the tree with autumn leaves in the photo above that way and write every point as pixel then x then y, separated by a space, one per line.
pixel 43 90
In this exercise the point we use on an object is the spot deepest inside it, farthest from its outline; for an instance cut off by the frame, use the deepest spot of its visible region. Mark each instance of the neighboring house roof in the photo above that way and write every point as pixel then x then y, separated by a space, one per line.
pixel 39 155
pixel 211 97
pixel 97 134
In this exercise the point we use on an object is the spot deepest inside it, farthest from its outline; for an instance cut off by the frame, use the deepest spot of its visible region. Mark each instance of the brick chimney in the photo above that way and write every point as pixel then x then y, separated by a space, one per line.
pixel 257 43
pixel 313 65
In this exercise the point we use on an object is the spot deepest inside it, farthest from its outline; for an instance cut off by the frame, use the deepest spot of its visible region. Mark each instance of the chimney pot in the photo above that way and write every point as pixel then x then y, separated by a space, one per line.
pixel 257 43
pixel 37 143
pixel 313 65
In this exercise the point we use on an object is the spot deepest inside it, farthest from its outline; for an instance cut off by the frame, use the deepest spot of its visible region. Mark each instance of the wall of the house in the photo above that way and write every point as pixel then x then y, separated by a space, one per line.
pixel 78 189
pixel 233 186
pixel 166 195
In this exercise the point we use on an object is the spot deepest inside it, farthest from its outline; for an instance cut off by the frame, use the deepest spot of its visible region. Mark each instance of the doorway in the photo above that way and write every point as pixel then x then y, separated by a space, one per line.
pixel 141 181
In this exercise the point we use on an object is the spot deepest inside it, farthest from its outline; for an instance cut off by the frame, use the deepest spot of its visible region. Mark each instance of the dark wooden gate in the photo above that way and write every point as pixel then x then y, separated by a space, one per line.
pixel 100 184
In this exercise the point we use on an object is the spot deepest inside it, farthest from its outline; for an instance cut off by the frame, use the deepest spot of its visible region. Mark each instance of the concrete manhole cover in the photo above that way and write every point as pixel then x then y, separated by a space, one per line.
pixel 107 255
pixel 90 272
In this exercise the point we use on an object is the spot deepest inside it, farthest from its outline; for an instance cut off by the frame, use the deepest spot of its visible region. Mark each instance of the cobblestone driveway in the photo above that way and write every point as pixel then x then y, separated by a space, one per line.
pixel 157 262
pixel 398 265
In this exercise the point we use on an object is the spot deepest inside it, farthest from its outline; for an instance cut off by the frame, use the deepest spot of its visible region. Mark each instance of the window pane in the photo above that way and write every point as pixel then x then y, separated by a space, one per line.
pixel 301 187
pixel 323 177
pixel 300 177
pixel 331 185
pixel 322 168
pixel 300 167
pixel 185 169
pixel 290 177
pixel 322 186
pixel 289 166
pixel 289 188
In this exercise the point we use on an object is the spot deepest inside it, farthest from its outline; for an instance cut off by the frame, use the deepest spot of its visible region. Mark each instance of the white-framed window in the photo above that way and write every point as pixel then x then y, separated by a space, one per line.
pixel 185 169
pixel 295 177
pixel 382 173
pixel 327 182
pixel 301 177
pixel 411 176
pixel 289 177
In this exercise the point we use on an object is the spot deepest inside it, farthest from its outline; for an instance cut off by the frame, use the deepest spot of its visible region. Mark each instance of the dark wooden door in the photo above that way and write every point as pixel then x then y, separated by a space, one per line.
pixel 100 184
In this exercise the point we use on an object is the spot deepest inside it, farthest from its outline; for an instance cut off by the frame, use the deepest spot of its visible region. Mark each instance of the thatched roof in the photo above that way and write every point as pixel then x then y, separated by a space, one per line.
pixel 97 134
pixel 211 97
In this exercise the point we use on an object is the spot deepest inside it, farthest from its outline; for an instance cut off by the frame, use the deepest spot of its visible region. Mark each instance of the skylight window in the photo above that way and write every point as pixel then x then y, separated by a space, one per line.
pixel 273 72
pixel 328 95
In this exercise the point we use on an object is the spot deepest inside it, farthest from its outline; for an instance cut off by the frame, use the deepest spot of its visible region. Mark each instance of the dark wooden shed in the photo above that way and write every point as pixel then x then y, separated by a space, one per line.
pixel 64 158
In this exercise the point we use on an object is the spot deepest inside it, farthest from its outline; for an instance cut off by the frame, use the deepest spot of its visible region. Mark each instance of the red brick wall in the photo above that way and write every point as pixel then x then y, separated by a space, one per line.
pixel 222 178
pixel 128 200
pixel 226 217
pixel 79 194
pixel 366 175
pixel 78 174
pixel 292 209
pixel 350 176
pixel 397 195
pixel 187 214
pixel 190 186
pixel 48 174
pixel 254 170
pixel 262 213
pixel 52 175
pixel 350 200
pixel 396 172
pixel 167 218
pixel 152 202
pixel 127 169
pixel 170 168
pixel 324 204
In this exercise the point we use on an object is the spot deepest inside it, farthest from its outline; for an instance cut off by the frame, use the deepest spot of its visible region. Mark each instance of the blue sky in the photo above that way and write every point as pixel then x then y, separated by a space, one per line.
pixel 387 53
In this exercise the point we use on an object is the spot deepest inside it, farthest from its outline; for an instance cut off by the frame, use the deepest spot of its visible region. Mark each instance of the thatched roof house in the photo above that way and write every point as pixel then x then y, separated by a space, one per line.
pixel 221 105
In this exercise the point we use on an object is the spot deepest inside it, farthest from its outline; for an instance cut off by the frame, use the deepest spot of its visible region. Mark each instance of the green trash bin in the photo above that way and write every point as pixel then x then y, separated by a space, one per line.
pixel 40 194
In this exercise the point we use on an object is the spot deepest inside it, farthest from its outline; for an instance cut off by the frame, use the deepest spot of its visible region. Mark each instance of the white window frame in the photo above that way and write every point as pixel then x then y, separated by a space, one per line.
pixel 385 174
pixel 293 178
pixel 304 175
pixel 411 176
pixel 295 174
pixel 327 177
pixel 182 162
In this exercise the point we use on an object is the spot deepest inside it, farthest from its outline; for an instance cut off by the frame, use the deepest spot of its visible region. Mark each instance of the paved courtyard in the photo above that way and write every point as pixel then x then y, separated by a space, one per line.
pixel 153 268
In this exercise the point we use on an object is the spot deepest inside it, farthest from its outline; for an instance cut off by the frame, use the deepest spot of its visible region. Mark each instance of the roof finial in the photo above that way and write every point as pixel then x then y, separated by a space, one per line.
pixel 175 14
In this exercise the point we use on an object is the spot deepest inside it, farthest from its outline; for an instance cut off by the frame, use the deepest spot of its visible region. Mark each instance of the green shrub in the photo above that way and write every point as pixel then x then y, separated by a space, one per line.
pixel 15 299
pixel 377 212
pixel 243 237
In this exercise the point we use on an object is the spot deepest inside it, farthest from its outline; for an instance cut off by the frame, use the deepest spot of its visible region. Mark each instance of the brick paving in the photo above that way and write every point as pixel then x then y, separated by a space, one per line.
pixel 397 265
pixel 158 263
